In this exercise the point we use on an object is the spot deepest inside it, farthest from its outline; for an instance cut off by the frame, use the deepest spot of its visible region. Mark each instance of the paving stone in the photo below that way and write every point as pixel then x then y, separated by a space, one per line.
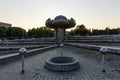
pixel 90 67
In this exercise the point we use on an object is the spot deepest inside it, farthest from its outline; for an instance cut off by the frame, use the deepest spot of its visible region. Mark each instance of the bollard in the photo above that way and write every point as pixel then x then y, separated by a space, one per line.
pixel 7 43
pixel 103 51
pixel 22 52
pixel 61 45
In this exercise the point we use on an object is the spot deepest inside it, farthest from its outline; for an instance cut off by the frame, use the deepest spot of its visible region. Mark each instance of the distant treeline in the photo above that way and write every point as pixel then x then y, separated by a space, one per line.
pixel 40 32
pixel 81 30
pixel 18 32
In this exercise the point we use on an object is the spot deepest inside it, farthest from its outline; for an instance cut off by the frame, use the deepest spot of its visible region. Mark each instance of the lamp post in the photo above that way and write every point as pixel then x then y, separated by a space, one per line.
pixel 103 51
pixel 22 52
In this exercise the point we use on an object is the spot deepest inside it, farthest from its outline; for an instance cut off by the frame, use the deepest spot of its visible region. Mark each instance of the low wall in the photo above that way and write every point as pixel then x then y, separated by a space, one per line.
pixel 114 50
pixel 11 57
pixel 93 41
pixel 18 47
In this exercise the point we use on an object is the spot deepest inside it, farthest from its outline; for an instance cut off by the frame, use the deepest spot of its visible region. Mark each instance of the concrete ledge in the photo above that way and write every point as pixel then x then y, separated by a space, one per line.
pixel 93 41
pixel 114 50
pixel 10 57
pixel 25 43
pixel 18 47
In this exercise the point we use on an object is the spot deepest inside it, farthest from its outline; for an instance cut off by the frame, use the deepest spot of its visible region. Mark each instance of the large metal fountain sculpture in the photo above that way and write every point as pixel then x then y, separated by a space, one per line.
pixel 61 63
pixel 60 24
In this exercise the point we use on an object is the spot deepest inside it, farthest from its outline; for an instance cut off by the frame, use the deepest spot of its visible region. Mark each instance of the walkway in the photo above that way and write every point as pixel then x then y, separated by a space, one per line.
pixel 90 67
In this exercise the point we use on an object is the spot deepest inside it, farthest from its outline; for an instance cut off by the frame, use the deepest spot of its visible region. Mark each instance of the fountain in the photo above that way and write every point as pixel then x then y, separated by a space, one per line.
pixel 61 63
pixel 60 24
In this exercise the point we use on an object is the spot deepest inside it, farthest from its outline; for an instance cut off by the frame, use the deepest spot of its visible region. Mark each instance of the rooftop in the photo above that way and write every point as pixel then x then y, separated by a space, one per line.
pixel 5 23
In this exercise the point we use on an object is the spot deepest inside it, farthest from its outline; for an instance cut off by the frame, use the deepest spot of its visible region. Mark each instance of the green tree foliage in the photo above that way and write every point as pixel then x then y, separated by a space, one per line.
pixel 107 31
pixel 8 33
pixel 83 31
pixel 18 32
pixel 40 32
pixel 114 31
pixel 80 30
pixel 12 32
pixel 72 32
pixel 98 32
pixel 2 32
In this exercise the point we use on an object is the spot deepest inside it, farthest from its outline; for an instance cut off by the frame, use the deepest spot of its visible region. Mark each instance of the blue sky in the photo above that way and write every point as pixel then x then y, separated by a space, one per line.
pixel 27 14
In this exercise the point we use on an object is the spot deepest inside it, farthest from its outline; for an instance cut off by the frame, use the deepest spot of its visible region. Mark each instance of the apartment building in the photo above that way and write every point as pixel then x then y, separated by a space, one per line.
pixel 5 24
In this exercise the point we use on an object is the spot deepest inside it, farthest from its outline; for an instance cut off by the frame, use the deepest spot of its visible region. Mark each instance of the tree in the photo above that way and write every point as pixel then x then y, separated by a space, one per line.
pixel 98 32
pixel 107 30
pixel 72 32
pixel 82 30
pixel 40 32
pixel 114 31
pixel 2 32
pixel 8 34
pixel 18 32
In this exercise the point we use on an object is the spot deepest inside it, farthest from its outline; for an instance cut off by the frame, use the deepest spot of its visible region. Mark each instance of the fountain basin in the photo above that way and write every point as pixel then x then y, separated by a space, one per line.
pixel 62 63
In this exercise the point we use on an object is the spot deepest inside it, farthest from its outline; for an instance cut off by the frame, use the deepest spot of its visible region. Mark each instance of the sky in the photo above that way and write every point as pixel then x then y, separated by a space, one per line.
pixel 97 14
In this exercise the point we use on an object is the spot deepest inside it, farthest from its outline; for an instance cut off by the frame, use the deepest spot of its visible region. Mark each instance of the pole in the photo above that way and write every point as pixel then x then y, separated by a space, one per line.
pixel 61 52
pixel 23 64
pixel 22 52
pixel 103 61
pixel 7 43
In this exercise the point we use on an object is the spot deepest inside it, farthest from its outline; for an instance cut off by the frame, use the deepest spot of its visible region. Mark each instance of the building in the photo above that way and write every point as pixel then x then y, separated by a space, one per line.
pixel 5 24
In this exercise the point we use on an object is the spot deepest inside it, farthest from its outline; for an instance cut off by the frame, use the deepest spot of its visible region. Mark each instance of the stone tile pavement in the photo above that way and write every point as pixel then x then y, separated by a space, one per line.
pixel 90 67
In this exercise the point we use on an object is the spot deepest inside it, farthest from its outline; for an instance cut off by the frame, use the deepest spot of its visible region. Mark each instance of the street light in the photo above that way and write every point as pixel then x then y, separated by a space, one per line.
pixel 22 52
pixel 103 51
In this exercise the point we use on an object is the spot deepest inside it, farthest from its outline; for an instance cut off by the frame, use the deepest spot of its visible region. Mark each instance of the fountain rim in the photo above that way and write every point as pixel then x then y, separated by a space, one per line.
pixel 69 63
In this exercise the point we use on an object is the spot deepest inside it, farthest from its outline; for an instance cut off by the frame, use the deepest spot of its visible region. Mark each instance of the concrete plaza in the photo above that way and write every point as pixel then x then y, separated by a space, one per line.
pixel 90 67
